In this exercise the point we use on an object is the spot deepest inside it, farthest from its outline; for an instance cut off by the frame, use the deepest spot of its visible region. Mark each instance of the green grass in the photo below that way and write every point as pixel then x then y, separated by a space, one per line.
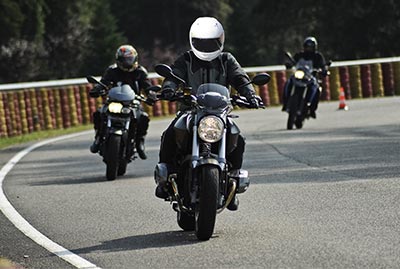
pixel 35 136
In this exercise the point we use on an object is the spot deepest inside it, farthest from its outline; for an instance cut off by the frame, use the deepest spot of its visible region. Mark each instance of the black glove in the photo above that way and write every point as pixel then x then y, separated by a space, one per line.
pixel 151 98
pixel 255 101
pixel 324 73
pixel 167 93
pixel 97 91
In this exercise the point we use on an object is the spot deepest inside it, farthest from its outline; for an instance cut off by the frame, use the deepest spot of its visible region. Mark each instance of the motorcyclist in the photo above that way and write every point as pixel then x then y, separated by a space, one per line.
pixel 310 53
pixel 205 63
pixel 127 71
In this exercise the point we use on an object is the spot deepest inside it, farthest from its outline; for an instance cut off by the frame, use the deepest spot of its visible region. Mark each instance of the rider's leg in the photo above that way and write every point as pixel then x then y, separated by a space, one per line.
pixel 97 122
pixel 166 156
pixel 236 160
pixel 285 94
pixel 314 98
pixel 142 127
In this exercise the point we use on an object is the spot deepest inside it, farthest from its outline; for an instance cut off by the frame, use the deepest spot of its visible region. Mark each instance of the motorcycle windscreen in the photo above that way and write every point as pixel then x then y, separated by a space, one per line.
pixel 213 95
pixel 306 65
pixel 122 93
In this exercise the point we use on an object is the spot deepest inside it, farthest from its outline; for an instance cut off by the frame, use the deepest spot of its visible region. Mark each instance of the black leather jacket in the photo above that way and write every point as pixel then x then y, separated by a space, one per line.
pixel 137 79
pixel 316 57
pixel 223 70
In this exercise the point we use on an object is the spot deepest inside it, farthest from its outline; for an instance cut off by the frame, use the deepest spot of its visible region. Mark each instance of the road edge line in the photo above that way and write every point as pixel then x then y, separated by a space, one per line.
pixel 23 225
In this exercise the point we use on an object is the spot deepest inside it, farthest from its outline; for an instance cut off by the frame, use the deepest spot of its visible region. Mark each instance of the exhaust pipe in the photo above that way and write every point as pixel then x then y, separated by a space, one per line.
pixel 230 195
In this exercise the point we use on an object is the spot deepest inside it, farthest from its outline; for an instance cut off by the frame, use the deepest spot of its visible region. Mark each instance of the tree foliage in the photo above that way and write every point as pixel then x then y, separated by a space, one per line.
pixel 52 39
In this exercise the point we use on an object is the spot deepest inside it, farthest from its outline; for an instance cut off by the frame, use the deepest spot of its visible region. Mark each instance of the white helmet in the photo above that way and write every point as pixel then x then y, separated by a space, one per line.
pixel 206 38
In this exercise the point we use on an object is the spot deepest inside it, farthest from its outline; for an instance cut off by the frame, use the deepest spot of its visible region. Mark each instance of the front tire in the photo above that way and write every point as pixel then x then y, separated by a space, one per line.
pixel 206 208
pixel 122 168
pixel 299 122
pixel 112 157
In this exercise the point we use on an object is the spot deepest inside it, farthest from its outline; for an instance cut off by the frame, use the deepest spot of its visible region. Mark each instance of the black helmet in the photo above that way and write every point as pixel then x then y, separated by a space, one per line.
pixel 310 44
pixel 126 58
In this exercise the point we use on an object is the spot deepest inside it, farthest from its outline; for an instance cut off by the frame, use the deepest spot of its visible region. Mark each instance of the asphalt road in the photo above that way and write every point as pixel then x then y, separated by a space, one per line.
pixel 326 196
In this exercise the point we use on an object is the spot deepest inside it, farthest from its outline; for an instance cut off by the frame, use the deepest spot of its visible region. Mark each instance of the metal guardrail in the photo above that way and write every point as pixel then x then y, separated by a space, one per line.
pixel 77 81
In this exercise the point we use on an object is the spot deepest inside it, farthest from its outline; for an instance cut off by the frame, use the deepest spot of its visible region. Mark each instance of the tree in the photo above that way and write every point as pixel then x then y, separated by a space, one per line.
pixel 21 36
pixel 158 27
pixel 104 40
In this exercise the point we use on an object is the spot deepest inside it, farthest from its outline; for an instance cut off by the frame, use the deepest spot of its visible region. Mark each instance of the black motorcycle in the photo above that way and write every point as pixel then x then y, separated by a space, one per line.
pixel 201 184
pixel 298 107
pixel 119 114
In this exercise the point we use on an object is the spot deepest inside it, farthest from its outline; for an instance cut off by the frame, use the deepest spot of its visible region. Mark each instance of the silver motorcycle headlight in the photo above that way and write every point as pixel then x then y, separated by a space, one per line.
pixel 210 129
pixel 115 107
pixel 299 74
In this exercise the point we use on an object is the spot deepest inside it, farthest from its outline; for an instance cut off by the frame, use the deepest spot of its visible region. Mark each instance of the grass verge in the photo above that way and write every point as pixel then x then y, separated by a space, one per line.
pixel 15 140
pixel 20 139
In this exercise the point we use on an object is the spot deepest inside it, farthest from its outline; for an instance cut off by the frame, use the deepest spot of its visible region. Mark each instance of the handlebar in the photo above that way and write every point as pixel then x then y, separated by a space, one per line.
pixel 236 100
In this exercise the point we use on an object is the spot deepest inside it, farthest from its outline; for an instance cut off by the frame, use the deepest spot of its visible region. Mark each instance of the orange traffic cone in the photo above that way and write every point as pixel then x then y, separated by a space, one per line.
pixel 342 99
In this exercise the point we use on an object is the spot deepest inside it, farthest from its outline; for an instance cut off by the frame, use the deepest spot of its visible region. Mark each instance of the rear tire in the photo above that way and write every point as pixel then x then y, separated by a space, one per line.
pixel 206 208
pixel 112 156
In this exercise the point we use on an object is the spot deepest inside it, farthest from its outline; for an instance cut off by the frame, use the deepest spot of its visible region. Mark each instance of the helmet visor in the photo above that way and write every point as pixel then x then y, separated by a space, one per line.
pixel 127 62
pixel 207 45
pixel 309 46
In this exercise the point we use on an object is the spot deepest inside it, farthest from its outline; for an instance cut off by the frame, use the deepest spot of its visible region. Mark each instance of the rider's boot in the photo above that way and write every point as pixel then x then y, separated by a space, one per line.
pixel 234 204
pixel 140 148
pixel 94 148
pixel 161 179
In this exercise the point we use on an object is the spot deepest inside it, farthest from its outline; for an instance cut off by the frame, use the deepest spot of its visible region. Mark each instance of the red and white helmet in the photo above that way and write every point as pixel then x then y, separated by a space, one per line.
pixel 207 38
pixel 126 58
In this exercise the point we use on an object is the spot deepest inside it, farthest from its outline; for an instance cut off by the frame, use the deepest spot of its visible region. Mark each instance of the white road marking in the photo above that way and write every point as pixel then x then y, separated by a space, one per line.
pixel 23 225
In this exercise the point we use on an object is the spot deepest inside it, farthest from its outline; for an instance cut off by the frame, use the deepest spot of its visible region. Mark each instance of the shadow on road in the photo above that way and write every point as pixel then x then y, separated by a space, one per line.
pixel 155 240
pixel 70 181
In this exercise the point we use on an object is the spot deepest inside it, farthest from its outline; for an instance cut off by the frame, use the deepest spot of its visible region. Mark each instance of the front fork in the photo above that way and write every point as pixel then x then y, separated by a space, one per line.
pixel 127 147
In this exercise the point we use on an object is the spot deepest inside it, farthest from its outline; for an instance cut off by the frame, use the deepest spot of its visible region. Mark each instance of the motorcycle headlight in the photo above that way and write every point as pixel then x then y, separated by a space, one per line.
pixel 210 129
pixel 115 107
pixel 299 74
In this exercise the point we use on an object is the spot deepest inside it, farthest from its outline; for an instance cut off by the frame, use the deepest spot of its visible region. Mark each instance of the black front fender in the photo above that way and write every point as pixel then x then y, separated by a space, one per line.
pixel 208 161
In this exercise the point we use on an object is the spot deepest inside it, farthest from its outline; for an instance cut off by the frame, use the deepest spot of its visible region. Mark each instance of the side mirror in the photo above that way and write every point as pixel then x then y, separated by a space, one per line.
pixel 163 70
pixel 290 57
pixel 261 79
pixel 91 79
pixel 166 71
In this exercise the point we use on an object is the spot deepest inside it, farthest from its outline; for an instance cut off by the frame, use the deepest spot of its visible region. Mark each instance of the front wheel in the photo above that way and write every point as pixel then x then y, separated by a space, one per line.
pixel 206 208
pixel 112 157
pixel 299 122
pixel 122 167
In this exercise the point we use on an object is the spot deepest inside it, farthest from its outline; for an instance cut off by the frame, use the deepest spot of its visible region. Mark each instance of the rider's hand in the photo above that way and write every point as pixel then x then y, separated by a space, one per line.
pixel 324 73
pixel 255 101
pixel 151 98
pixel 167 93
pixel 97 91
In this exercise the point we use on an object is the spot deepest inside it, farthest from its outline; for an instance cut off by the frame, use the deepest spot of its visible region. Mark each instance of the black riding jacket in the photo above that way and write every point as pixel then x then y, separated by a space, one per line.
pixel 223 70
pixel 137 79
pixel 316 57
